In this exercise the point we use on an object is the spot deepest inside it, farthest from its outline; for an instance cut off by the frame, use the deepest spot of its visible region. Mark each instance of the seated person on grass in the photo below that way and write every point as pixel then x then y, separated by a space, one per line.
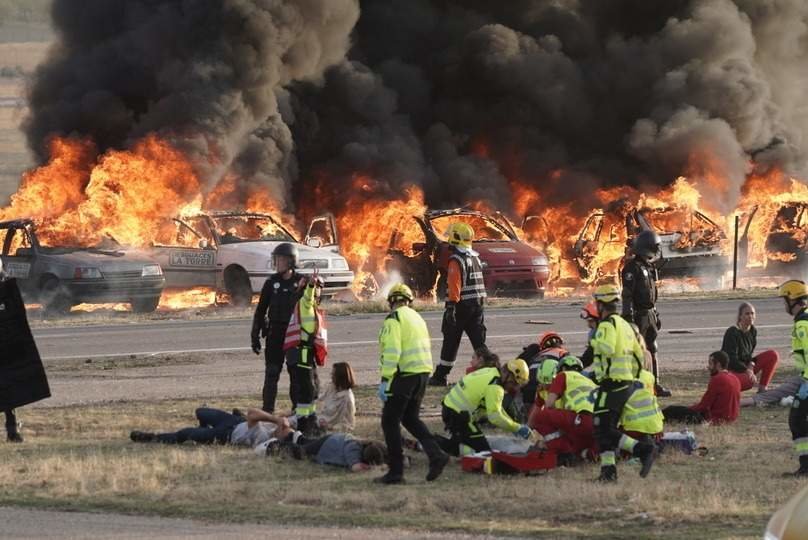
pixel 720 403
pixel 336 409
pixel 220 427
pixel 739 343
pixel 337 449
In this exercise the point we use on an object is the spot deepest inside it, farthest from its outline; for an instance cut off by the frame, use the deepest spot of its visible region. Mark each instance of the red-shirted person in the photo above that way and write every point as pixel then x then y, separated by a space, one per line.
pixel 720 403
pixel 565 421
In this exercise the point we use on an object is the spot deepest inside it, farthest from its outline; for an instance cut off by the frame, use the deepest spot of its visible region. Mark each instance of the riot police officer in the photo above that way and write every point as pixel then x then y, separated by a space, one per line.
pixel 639 277
pixel 278 298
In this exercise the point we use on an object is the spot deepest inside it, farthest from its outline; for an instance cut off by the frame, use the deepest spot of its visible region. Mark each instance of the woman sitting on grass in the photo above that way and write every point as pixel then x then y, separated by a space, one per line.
pixel 739 343
pixel 220 427
pixel 336 409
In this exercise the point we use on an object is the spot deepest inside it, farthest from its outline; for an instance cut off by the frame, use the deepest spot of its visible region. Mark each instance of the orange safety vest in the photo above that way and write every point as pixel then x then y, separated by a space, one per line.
pixel 320 341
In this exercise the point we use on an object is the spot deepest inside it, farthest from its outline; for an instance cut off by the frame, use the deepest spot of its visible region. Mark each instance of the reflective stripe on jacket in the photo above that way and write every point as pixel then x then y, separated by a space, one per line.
pixel 618 353
pixel 799 342
pixel 404 344
pixel 642 413
pixel 307 327
pixel 577 393
pixel 472 286
pixel 480 393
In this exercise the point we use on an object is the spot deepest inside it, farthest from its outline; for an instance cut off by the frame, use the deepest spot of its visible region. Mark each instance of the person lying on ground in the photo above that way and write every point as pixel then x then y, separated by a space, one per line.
pixel 336 409
pixel 739 343
pixel 550 346
pixel 336 449
pixel 720 403
pixel 775 395
pixel 220 427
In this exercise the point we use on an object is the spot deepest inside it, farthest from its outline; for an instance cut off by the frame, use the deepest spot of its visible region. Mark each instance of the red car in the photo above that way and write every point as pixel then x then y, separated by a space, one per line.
pixel 420 253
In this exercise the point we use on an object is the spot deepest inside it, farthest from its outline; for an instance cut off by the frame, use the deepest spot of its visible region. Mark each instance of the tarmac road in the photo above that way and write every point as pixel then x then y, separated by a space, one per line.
pixel 210 357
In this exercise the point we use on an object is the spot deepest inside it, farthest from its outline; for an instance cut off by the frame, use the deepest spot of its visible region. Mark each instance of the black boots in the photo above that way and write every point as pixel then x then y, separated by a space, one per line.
pixel 661 391
pixel 802 472
pixel 14 436
pixel 647 452
pixel 436 466
pixel 309 426
pixel 438 378
pixel 608 473
pixel 390 479
pixel 142 436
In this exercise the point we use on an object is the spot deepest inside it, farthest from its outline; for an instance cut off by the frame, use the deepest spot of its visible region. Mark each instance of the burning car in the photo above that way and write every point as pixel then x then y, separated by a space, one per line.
pixel 64 276
pixel 420 253
pixel 785 230
pixel 232 252
pixel 692 244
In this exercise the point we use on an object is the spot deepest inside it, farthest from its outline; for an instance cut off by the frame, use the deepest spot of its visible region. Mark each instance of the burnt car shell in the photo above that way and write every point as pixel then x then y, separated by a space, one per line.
pixel 510 266
pixel 53 276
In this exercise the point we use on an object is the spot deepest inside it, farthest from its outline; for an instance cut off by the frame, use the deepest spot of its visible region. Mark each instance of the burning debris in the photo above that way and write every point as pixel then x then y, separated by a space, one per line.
pixel 574 119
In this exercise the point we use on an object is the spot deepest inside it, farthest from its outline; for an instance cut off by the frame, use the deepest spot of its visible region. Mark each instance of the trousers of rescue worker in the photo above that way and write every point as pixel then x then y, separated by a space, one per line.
pixel 469 318
pixel 304 384
pixel 765 366
pixel 610 400
pixel 403 408
pixel 798 422
pixel 463 431
pixel 274 359
pixel 564 431
pixel 11 421
pixel 646 321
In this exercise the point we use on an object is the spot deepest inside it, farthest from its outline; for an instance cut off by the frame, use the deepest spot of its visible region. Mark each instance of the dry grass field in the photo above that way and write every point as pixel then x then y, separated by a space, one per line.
pixel 80 458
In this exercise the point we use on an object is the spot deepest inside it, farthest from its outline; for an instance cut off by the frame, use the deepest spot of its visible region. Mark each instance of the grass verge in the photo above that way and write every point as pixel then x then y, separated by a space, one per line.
pixel 79 458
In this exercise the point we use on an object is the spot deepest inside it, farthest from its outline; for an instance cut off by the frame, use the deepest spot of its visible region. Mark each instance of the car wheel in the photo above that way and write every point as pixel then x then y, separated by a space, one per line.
pixel 54 298
pixel 237 284
pixel 144 305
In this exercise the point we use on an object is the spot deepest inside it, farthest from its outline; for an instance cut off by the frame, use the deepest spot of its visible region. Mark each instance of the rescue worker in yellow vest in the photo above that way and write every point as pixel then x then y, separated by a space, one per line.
pixel 641 419
pixel 305 348
pixel 565 421
pixel 465 296
pixel 406 362
pixel 480 394
pixel 795 295
pixel 617 363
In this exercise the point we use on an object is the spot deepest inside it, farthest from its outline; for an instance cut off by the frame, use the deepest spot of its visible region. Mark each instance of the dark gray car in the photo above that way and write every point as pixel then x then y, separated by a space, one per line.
pixel 61 277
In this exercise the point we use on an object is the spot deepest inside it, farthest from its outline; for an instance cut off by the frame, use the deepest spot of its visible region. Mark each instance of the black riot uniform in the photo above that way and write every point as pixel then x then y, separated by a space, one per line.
pixel 22 376
pixel 639 278
pixel 271 319
pixel 463 314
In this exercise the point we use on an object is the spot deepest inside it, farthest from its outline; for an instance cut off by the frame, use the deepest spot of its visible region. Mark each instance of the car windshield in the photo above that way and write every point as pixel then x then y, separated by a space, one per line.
pixel 485 228
pixel 250 228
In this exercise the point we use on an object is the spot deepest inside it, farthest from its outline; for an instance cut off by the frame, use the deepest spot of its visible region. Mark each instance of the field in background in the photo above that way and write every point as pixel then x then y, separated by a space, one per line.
pixel 79 458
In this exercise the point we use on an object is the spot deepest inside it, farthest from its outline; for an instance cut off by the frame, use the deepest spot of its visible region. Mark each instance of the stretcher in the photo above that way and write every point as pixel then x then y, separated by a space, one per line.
pixel 496 462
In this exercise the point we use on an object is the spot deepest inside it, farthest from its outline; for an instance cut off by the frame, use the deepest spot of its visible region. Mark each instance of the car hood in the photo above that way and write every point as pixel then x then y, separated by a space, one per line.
pixel 110 261
pixel 501 253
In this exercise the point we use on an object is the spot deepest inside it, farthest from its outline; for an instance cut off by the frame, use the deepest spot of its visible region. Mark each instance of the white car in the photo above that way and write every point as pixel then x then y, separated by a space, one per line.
pixel 232 252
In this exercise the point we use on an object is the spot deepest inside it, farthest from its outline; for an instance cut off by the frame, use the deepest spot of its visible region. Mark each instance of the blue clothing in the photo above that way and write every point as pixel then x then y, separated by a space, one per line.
pixel 339 449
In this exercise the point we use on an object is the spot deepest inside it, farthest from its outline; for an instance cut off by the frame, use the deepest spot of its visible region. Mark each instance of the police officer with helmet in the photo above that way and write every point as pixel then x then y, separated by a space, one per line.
pixel 279 295
pixel 639 279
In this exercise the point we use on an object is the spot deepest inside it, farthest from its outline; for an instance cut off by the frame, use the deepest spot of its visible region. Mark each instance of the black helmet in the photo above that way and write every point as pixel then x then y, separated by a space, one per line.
pixel 646 245
pixel 288 250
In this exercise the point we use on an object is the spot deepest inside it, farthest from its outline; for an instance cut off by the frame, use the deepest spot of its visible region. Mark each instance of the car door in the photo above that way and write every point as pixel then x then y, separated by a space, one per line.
pixel 191 260
pixel 322 233
pixel 18 255
pixel 586 246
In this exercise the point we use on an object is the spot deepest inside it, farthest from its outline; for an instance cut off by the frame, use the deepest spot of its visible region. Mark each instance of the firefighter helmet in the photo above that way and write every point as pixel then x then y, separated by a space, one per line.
pixel 646 245
pixel 549 340
pixel 287 249
pixel 590 311
pixel 518 368
pixel 607 294
pixel 547 371
pixel 570 363
pixel 398 292
pixel 460 234
pixel 793 289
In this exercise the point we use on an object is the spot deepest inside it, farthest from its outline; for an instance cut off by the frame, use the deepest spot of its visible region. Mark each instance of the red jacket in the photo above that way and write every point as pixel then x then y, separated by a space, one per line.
pixel 721 402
